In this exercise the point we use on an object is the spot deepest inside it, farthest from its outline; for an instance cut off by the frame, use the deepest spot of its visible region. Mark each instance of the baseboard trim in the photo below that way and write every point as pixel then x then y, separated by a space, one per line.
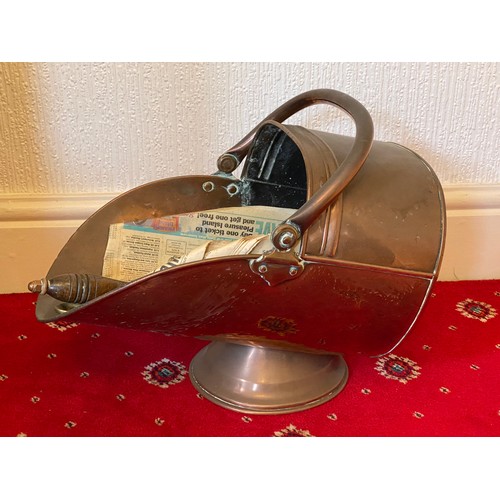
pixel 50 207
pixel 33 229
pixel 472 197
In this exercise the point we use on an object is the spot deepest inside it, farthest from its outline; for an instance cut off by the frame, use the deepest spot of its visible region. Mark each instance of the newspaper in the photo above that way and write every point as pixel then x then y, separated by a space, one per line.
pixel 136 249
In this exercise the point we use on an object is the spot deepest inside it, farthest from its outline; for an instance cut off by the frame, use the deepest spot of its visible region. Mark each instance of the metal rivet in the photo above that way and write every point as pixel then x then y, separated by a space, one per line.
pixel 293 271
pixel 233 189
pixel 262 269
pixel 227 162
pixel 208 186
pixel 287 239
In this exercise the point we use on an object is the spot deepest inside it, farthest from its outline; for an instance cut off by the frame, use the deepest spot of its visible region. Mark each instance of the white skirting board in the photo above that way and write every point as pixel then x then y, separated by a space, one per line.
pixel 33 229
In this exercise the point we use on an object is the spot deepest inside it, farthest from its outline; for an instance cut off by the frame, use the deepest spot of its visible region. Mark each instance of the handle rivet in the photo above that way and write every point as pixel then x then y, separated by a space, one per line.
pixel 287 239
pixel 227 163
pixel 262 269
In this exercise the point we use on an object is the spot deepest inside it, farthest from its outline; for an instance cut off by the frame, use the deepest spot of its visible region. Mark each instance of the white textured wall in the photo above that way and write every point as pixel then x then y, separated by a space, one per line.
pixel 92 127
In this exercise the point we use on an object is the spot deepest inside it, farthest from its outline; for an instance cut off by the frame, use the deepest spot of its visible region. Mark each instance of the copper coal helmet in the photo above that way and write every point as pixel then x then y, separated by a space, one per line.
pixel 347 272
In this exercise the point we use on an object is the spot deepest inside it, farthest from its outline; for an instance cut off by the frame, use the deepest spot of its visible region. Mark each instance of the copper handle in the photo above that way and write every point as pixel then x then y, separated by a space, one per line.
pixel 286 235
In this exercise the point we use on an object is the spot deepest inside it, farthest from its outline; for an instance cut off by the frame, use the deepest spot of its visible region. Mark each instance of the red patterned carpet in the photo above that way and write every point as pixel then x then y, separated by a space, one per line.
pixel 82 380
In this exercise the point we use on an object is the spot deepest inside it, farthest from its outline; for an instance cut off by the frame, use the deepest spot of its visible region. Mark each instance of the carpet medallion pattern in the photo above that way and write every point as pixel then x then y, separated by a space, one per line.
pixel 70 379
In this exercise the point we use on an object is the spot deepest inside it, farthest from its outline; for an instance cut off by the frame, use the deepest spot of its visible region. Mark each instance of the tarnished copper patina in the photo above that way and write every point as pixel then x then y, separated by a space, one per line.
pixel 370 224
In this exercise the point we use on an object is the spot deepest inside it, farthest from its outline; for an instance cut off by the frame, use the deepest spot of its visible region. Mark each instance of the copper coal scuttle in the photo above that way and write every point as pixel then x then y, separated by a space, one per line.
pixel 327 245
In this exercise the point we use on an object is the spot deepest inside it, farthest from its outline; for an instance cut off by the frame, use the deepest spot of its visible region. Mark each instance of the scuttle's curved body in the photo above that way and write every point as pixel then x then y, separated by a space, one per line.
pixel 360 272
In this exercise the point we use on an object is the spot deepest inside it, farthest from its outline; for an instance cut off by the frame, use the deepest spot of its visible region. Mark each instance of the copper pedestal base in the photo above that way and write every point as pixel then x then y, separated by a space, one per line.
pixel 266 380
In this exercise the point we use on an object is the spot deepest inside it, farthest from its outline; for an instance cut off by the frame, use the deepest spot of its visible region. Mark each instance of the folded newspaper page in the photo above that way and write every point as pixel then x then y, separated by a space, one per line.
pixel 136 249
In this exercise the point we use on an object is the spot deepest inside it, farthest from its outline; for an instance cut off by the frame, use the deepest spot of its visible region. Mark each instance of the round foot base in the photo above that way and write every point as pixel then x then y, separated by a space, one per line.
pixel 256 379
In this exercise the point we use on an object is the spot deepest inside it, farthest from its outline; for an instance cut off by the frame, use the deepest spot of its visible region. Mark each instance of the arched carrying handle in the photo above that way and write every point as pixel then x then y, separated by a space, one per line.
pixel 287 234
